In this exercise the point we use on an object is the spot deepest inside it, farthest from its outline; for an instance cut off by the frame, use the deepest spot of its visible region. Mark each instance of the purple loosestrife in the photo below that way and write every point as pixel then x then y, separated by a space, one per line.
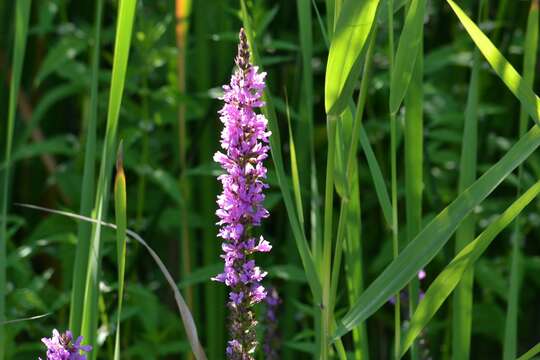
pixel 244 141
pixel 62 347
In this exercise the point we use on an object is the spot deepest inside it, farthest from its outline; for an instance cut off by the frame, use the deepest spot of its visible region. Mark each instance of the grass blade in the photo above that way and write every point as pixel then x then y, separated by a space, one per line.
pixel 294 173
pixel 353 27
pixel 376 174
pixel 88 183
pixel 305 126
pixel 435 235
pixel 22 18
pixel 126 15
pixel 409 44
pixel 500 65
pixel 325 269
pixel 185 314
pixel 529 64
pixel 464 261
pixel 121 225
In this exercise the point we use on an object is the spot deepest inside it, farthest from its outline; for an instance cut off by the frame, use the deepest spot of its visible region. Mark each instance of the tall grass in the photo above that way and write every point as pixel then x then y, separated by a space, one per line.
pixel 22 18
pixel 126 14
pixel 84 229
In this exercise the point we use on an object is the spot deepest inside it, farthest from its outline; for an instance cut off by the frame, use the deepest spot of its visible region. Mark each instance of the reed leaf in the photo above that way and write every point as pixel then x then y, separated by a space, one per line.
pixel 500 65
pixel 435 235
pixel 88 184
pixel 353 27
pixel 126 15
pixel 464 261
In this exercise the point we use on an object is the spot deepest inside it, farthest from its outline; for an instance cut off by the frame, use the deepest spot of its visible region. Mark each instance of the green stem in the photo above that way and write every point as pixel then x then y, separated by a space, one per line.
pixel 327 238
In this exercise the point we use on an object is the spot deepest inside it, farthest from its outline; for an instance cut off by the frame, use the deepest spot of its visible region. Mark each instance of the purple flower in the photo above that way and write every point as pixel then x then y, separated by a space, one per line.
pixel 244 143
pixel 62 347
pixel 271 337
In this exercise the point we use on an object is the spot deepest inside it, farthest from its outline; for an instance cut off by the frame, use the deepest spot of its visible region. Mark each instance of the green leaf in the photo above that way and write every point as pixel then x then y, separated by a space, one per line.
pixel 500 65
pixel 406 54
pixel 294 172
pixel 435 235
pixel 84 229
pixel 126 15
pixel 352 30
pixel 464 261
pixel 57 56
pixel 377 176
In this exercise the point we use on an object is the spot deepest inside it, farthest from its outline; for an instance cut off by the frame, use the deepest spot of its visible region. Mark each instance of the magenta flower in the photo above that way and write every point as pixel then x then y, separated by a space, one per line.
pixel 244 140
pixel 62 347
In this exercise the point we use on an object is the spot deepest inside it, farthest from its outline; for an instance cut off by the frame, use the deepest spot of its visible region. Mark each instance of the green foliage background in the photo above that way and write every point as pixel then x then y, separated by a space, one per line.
pixel 170 129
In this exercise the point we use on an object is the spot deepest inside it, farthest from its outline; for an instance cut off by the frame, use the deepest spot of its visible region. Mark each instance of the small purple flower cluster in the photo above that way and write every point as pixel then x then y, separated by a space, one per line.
pixel 62 347
pixel 244 140
pixel 404 296
pixel 271 337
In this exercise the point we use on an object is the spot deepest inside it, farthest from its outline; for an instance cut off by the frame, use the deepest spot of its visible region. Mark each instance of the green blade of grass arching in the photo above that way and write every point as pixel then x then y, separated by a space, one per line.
pixel 120 207
pixel 435 235
pixel 126 15
pixel 277 157
pixel 88 183
pixel 352 29
pixel 529 64
pixel 410 42
pixel 185 314
pixel 463 296
pixel 22 18
pixel 464 261
pixel 500 65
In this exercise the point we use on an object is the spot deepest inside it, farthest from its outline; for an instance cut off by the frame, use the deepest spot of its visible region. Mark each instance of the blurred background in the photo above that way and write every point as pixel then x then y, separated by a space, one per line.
pixel 181 54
